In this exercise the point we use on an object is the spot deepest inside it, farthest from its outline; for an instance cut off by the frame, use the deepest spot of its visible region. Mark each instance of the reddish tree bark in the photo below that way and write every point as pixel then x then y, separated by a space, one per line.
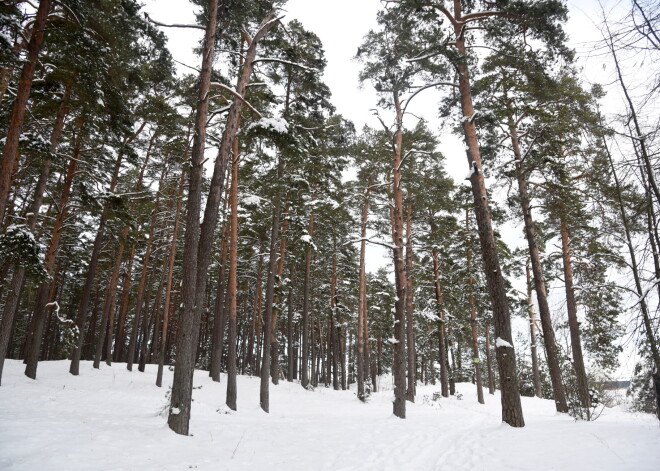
pixel 15 129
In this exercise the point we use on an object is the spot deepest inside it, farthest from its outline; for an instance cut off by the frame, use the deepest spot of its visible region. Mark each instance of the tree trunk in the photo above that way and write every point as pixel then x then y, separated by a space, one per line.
pixel 120 343
pixel 442 338
pixel 146 347
pixel 170 275
pixel 362 295
pixel 231 290
pixel 410 327
pixel 274 343
pixel 539 282
pixel 132 343
pixel 489 364
pixel 309 254
pixel 270 292
pixel 532 327
pixel 573 324
pixel 333 341
pixel 15 129
pixel 76 351
pixel 18 278
pixel 506 360
pixel 201 240
pixel 219 311
pixel 476 362
pixel 179 413
pixel 252 356
pixel 399 360
pixel 40 308
pixel 290 332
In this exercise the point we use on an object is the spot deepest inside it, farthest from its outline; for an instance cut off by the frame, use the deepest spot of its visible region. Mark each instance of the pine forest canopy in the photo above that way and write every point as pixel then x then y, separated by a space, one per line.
pixel 224 217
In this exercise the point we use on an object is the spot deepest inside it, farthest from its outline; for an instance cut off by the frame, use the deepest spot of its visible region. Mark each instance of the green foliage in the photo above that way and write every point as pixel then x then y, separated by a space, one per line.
pixel 18 247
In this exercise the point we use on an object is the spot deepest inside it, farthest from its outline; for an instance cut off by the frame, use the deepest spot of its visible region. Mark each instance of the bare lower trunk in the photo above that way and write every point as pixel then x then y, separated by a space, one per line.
pixel 489 364
pixel 362 294
pixel 506 360
pixel 573 324
pixel 107 318
pixel 476 362
pixel 264 399
pixel 231 289
pixel 291 341
pixel 168 289
pixel 536 375
pixel 399 361
pixel 309 254
pixel 539 282
pixel 18 278
pixel 410 327
pixel 179 413
pixel 219 312
pixel 333 341
pixel 442 349
pixel 40 310
pixel 132 343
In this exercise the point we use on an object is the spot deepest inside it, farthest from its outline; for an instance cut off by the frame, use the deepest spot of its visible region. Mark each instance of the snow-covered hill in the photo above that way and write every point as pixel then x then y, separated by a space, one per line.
pixel 111 419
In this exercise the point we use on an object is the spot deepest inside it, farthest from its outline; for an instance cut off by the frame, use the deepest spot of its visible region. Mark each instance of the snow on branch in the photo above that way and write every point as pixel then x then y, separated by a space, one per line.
pixel 421 89
pixel 146 15
pixel 423 57
pixel 501 343
pixel 282 61
pixel 376 242
pixel 410 152
pixel 237 95
pixel 278 125
pixel 469 119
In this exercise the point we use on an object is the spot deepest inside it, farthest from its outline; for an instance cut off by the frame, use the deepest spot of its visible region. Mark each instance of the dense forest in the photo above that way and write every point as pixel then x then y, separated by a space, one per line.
pixel 220 219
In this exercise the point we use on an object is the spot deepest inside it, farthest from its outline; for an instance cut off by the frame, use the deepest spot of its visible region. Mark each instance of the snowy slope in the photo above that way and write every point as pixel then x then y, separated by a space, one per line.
pixel 110 419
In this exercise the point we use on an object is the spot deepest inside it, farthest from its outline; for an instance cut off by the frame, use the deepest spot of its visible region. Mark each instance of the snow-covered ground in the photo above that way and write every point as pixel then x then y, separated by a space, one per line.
pixel 111 419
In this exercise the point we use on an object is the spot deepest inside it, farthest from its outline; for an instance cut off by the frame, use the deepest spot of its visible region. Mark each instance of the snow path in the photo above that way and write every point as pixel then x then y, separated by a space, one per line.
pixel 109 419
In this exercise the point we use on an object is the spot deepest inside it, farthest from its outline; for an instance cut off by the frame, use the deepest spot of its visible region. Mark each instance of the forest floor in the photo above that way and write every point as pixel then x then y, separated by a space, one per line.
pixel 112 419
